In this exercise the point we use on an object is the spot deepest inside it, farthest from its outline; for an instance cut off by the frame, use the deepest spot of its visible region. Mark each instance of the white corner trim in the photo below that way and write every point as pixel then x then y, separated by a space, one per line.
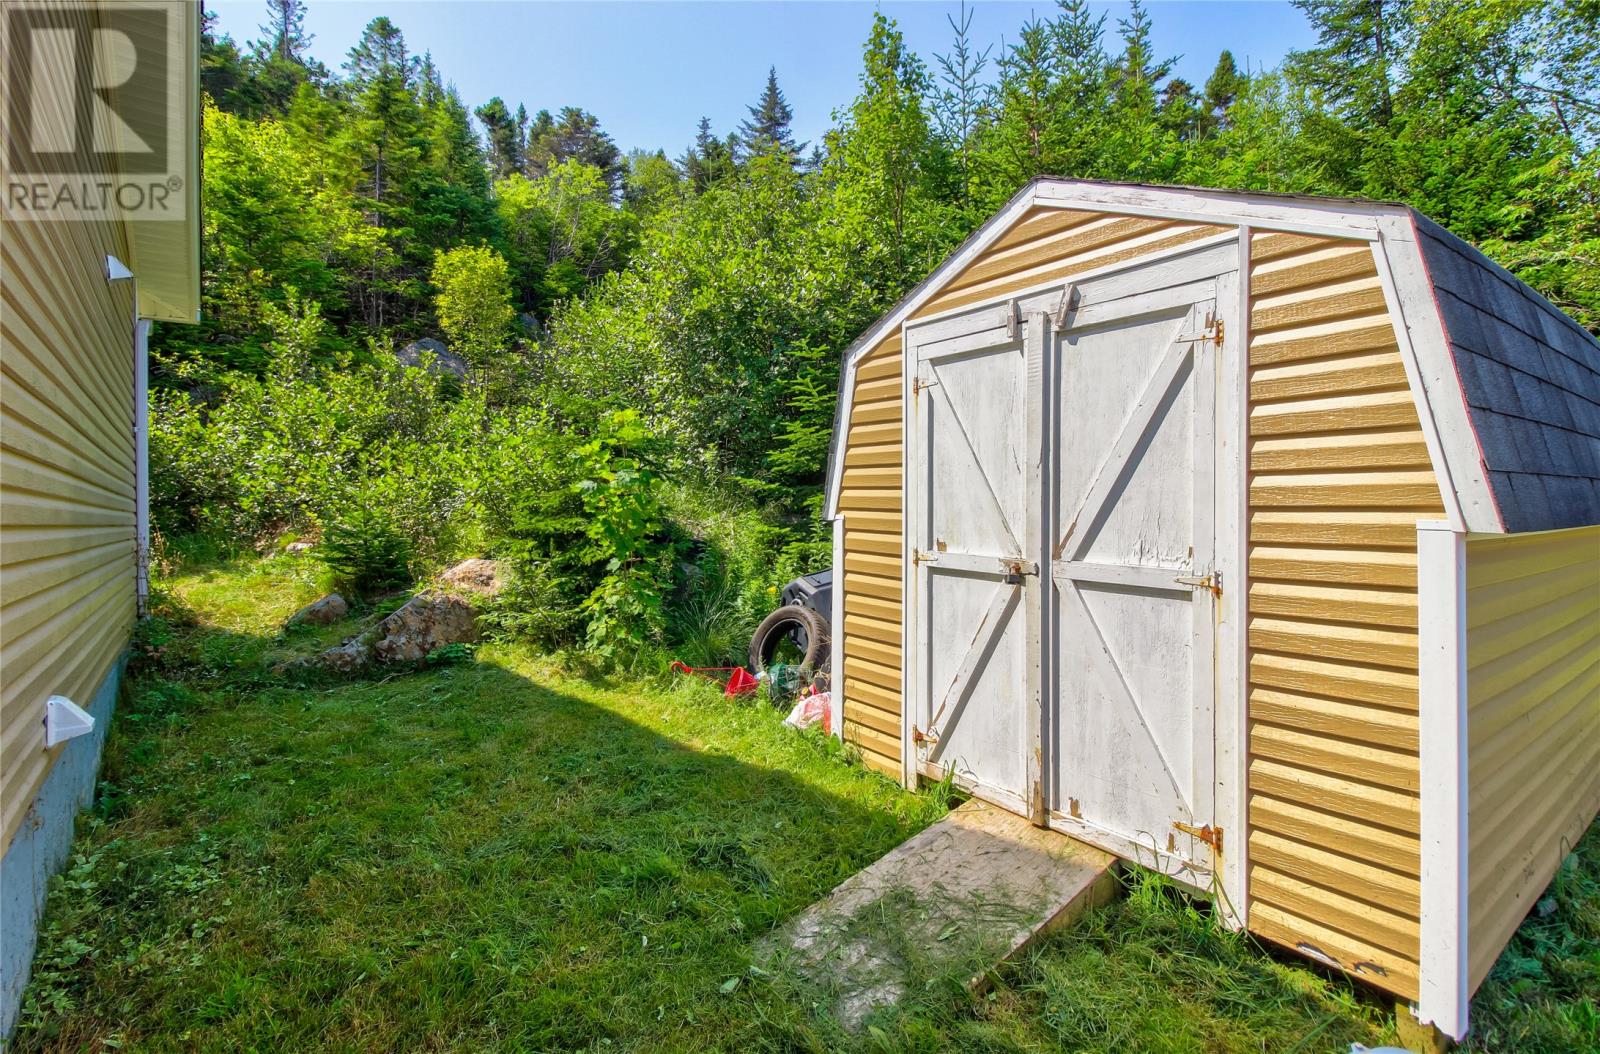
pixel 1231 728
pixel 836 648
pixel 1431 370
pixel 1443 995
pixel 911 455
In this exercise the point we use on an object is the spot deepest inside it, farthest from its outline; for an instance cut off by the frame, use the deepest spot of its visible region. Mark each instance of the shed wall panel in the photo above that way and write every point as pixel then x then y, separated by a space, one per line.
pixel 66 484
pixel 1533 721
pixel 1339 476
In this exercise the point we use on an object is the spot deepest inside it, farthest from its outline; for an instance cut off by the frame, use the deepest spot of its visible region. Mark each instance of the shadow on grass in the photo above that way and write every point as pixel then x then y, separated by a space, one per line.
pixel 489 856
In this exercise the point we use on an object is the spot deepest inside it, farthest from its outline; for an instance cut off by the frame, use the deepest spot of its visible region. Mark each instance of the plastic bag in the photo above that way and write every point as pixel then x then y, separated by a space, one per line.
pixel 810 709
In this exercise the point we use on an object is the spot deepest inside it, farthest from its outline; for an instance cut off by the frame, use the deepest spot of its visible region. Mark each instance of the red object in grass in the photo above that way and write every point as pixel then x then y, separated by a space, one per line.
pixel 739 680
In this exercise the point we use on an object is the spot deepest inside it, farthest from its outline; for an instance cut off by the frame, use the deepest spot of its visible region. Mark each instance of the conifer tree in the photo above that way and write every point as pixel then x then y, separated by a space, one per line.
pixel 506 134
pixel 706 160
pixel 1222 90
pixel 285 34
pixel 961 97
pixel 767 128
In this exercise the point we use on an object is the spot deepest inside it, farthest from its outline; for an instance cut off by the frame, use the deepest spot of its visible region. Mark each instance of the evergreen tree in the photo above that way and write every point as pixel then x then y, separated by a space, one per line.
pixel 1354 64
pixel 1222 89
pixel 507 136
pixel 960 99
pixel 223 75
pixel 573 136
pixel 767 128
pixel 1179 109
pixel 284 35
pixel 384 137
pixel 707 159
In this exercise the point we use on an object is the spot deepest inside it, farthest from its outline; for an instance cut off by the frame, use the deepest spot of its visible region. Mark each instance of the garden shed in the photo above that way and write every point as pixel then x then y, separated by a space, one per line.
pixel 1254 538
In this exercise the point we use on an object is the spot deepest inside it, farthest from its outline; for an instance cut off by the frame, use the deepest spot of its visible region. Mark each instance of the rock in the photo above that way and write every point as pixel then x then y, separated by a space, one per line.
pixel 531 324
pixel 298 547
pixel 477 575
pixel 346 658
pixel 330 608
pixel 443 359
pixel 428 621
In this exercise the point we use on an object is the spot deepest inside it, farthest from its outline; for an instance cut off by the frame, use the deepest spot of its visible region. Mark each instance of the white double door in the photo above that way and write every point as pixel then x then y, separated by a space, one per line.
pixel 1063 493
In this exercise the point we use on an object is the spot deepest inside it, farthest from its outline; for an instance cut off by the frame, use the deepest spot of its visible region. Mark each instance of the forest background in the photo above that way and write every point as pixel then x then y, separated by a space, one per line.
pixel 635 357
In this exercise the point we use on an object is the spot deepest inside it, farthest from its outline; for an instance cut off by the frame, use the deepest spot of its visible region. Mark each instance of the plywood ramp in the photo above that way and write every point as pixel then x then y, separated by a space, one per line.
pixel 1339 477
pixel 1533 721
pixel 955 900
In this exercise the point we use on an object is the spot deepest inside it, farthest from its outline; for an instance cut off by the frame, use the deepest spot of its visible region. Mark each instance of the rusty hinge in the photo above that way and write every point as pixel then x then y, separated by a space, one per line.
pixel 1211 582
pixel 1211 332
pixel 1208 834
pixel 919 737
pixel 918 384
pixel 922 556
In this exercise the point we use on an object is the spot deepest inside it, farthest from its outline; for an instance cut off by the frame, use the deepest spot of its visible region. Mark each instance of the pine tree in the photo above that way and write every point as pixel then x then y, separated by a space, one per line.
pixel 1354 64
pixel 573 136
pixel 507 136
pixel 1223 88
pixel 961 97
pixel 767 128
pixel 285 32
pixel 706 160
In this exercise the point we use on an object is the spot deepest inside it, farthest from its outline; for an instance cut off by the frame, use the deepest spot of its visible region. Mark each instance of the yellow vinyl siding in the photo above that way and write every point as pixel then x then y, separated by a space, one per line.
pixel 1049 244
pixel 1339 476
pixel 869 498
pixel 66 481
pixel 1533 721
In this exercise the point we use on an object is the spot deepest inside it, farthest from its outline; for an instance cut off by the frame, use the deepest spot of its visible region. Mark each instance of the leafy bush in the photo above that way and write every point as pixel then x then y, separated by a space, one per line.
pixel 365 552
pixel 238 456
pixel 620 493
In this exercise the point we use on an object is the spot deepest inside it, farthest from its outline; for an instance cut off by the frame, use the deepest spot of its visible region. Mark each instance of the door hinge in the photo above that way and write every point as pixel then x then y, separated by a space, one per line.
pixel 922 556
pixel 1212 331
pixel 1211 582
pixel 918 384
pixel 1208 834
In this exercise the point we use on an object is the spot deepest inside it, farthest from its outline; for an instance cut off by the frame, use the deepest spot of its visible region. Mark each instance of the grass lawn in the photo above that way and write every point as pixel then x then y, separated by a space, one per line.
pixel 503 854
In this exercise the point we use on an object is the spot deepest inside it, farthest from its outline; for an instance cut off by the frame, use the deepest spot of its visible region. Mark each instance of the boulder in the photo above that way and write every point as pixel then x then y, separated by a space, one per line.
pixel 298 547
pixel 478 576
pixel 428 621
pixel 346 658
pixel 330 608
pixel 443 360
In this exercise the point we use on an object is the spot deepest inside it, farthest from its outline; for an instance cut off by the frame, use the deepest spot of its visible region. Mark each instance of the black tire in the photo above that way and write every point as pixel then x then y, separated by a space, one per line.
pixel 780 624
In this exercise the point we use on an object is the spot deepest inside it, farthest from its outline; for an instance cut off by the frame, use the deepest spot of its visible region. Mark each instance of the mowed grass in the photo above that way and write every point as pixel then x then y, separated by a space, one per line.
pixel 502 854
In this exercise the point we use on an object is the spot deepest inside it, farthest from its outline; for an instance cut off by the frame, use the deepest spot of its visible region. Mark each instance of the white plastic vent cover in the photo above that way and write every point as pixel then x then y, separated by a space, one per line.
pixel 64 720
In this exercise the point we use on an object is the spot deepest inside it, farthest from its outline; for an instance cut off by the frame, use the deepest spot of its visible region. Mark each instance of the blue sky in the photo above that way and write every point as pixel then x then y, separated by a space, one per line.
pixel 649 70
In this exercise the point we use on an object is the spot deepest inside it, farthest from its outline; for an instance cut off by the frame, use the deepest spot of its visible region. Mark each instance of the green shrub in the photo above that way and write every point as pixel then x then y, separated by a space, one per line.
pixel 365 553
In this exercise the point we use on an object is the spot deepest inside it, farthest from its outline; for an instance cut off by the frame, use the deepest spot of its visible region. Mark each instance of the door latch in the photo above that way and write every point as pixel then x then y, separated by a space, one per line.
pixel 1211 582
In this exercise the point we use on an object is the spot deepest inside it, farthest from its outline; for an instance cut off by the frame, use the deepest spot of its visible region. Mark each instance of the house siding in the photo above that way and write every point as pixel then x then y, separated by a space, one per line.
pixel 1339 476
pixel 1533 721
pixel 66 479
